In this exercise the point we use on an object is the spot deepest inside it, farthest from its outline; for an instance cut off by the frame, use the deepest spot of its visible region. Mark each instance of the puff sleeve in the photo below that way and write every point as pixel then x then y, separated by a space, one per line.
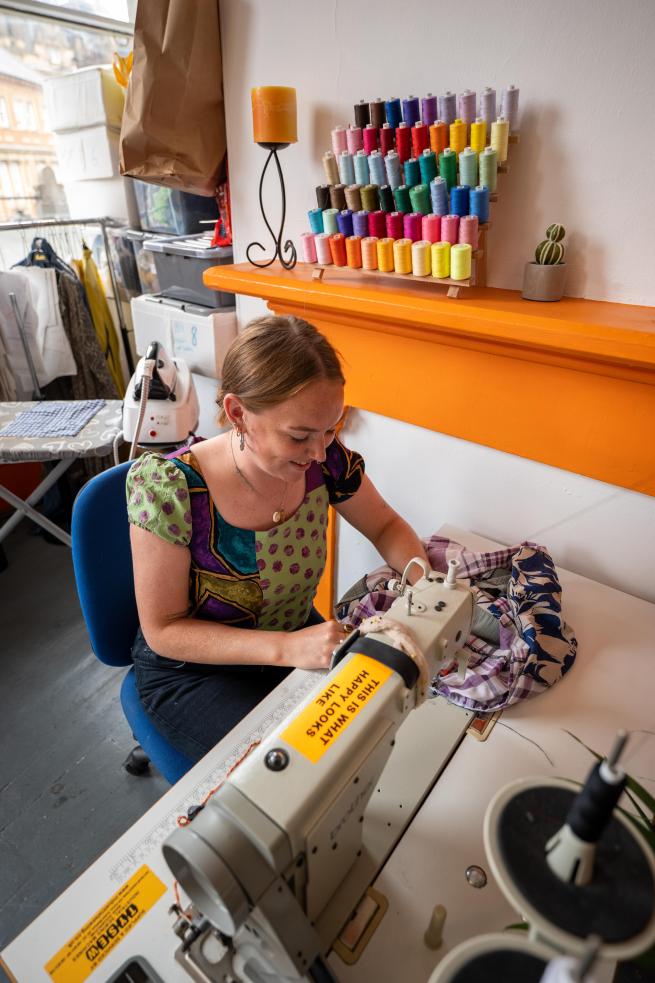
pixel 158 499
pixel 343 471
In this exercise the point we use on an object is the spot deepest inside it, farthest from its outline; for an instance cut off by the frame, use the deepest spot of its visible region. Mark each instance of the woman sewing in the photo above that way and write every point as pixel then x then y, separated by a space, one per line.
pixel 230 534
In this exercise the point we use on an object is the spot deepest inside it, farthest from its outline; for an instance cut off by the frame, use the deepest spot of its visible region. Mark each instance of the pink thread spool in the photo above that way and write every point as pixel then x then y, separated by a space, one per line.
pixel 468 230
pixel 450 229
pixel 323 251
pixel 394 225
pixel 370 136
pixel 376 224
pixel 354 139
pixel 412 226
pixel 308 247
pixel 431 228
pixel 339 142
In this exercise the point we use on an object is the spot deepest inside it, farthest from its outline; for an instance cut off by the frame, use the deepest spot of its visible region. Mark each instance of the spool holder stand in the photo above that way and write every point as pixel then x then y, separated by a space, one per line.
pixel 288 248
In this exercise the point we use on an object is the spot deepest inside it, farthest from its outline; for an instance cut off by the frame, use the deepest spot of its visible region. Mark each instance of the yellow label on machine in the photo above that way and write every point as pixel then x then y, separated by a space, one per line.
pixel 85 951
pixel 319 725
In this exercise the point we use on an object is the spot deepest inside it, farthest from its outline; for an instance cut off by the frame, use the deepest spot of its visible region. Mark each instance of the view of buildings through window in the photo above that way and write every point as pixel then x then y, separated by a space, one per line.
pixel 32 50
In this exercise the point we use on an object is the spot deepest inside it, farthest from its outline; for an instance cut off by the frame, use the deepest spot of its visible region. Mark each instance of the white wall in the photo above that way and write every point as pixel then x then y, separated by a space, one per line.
pixel 586 74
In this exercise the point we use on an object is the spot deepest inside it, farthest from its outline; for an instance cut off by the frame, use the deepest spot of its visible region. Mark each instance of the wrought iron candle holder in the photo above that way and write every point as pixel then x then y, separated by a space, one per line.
pixel 285 253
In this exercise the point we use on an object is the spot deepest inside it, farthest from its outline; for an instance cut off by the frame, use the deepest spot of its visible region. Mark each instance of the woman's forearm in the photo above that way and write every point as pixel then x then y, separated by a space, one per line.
pixel 187 639
pixel 397 544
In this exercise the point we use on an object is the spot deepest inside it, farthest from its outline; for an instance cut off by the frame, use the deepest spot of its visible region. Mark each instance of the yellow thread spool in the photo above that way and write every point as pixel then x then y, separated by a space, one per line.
pixel 440 259
pixel 458 136
pixel 421 261
pixel 402 255
pixel 354 252
pixel 370 253
pixel 478 135
pixel 500 138
pixel 460 261
pixel 385 255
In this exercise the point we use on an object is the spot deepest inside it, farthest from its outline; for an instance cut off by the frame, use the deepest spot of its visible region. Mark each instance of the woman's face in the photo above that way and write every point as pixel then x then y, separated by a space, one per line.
pixel 285 439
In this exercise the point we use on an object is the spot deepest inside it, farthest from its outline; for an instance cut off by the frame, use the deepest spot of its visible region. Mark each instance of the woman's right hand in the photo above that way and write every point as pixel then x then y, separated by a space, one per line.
pixel 312 648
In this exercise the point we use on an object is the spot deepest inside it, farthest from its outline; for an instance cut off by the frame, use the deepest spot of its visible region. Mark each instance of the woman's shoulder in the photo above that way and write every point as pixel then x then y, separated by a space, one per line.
pixel 158 498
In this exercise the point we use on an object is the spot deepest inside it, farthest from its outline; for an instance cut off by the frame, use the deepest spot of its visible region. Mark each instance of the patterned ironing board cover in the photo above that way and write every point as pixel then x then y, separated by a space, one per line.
pixel 94 440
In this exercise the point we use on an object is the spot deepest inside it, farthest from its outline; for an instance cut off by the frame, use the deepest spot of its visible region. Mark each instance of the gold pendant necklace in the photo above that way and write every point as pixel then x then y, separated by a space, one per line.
pixel 279 515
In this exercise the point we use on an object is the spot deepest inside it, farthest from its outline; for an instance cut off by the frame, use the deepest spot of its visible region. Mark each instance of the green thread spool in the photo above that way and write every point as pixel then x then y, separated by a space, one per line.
pixel 488 165
pixel 549 252
pixel 386 198
pixel 419 197
pixel 370 198
pixel 448 167
pixel 428 165
pixel 468 167
pixel 555 232
pixel 412 172
pixel 401 198
pixel 330 220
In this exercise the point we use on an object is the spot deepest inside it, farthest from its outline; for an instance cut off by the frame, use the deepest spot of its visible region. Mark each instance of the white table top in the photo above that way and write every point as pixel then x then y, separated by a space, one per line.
pixel 610 686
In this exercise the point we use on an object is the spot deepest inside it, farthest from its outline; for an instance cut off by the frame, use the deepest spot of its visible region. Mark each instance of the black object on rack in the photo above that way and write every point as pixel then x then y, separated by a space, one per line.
pixel 289 247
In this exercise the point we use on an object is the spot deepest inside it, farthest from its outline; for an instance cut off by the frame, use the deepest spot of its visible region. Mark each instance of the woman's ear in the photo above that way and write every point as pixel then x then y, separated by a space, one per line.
pixel 233 408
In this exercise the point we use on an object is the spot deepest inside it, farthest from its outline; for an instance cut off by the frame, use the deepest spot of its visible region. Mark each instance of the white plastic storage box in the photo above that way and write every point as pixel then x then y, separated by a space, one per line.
pixel 173 212
pixel 113 197
pixel 89 154
pixel 199 335
pixel 181 262
pixel 88 97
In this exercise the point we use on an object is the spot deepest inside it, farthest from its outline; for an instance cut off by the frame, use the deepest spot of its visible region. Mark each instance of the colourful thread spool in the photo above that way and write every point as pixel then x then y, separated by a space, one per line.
pixel 346 168
pixel 370 197
pixel 412 172
pixel 377 225
pixel 402 255
pixel 386 198
pixel 323 196
pixel 509 107
pixel 411 112
pixel 401 198
pixel 429 109
pixel 460 261
pixel 468 167
pixel 362 114
pixel 446 107
pixel 339 142
pixel 392 168
pixel 431 228
pixel 370 253
pixel 378 115
pixel 316 220
pixel 419 197
pixel 488 106
pixel 385 255
pixel 412 226
pixel 387 139
pixel 488 165
pixel 393 112
pixel 467 100
pixel 376 168
pixel 439 196
pixel 337 196
pixel 450 229
pixel 330 167
pixel 354 252
pixel 440 256
pixel 353 198
pixel 345 222
pixel 420 138
pixel 439 136
pixel 360 224
pixel 362 173
pixel 307 247
pixel 421 258
pixel 428 166
pixel 479 204
pixel 459 200
pixel 330 221
pixel 500 138
pixel 478 135
pixel 394 222
pixel 468 230
pixel 448 167
pixel 323 251
pixel 370 137
pixel 354 139
pixel 338 249
pixel 403 142
pixel 457 136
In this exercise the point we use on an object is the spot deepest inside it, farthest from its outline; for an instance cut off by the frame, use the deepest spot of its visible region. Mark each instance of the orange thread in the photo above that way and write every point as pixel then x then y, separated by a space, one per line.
pixel 354 252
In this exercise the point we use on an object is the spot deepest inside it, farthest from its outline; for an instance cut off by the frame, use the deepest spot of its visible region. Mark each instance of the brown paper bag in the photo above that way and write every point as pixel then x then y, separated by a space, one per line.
pixel 173 130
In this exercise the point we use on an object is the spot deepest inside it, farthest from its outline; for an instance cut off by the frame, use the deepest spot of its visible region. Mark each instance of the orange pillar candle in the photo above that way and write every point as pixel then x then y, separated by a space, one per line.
pixel 274 114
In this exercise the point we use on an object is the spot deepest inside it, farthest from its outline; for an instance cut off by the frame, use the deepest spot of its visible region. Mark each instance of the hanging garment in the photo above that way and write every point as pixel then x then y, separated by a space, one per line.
pixel 93 380
pixel 15 360
pixel 54 346
pixel 519 644
pixel 103 322
pixel 7 383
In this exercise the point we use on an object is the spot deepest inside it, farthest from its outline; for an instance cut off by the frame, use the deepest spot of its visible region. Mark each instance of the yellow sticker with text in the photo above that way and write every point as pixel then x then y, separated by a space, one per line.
pixel 85 951
pixel 323 721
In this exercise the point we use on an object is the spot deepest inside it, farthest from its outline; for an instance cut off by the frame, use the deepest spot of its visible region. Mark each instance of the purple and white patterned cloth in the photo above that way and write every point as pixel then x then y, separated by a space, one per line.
pixel 518 594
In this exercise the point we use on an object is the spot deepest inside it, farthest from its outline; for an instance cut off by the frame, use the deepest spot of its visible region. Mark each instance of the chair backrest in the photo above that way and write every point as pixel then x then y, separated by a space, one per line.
pixel 102 561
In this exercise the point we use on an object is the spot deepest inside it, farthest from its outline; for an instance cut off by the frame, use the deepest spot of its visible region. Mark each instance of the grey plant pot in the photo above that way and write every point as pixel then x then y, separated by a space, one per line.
pixel 543 282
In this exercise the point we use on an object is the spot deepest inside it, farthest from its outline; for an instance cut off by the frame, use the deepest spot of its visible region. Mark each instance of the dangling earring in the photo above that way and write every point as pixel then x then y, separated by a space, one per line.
pixel 242 439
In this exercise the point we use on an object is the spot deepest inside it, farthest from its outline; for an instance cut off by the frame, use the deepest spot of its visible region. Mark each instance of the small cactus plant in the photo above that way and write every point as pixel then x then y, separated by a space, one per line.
pixel 550 252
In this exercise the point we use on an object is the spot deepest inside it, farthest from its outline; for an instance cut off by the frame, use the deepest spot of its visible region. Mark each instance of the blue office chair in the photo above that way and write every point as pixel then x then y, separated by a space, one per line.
pixel 103 573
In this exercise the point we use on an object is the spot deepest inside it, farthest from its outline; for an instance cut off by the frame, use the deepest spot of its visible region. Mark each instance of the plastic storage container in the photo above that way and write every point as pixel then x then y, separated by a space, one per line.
pixel 181 262
pixel 172 212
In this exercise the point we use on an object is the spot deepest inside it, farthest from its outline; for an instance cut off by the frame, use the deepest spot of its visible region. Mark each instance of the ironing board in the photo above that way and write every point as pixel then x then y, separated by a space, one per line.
pixel 96 439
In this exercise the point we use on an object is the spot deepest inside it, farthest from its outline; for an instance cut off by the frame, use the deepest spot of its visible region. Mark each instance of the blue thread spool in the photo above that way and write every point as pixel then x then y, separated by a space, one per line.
pixel 459 200
pixel 393 112
pixel 316 220
pixel 411 110
pixel 392 167
pixel 345 222
pixel 346 168
pixel 362 174
pixel 439 196
pixel 412 172
pixel 479 203
pixel 360 223
pixel 330 220
pixel 376 168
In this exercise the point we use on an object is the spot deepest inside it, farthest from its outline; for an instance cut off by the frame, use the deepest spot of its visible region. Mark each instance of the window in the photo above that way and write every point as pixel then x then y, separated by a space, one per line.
pixel 24 114
pixel 4 115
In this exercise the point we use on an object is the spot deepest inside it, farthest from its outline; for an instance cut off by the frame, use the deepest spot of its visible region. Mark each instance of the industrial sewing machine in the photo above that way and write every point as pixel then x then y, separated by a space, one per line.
pixel 266 856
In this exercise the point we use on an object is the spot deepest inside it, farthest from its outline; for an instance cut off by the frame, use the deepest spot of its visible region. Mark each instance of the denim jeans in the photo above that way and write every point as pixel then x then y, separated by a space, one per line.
pixel 194 705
